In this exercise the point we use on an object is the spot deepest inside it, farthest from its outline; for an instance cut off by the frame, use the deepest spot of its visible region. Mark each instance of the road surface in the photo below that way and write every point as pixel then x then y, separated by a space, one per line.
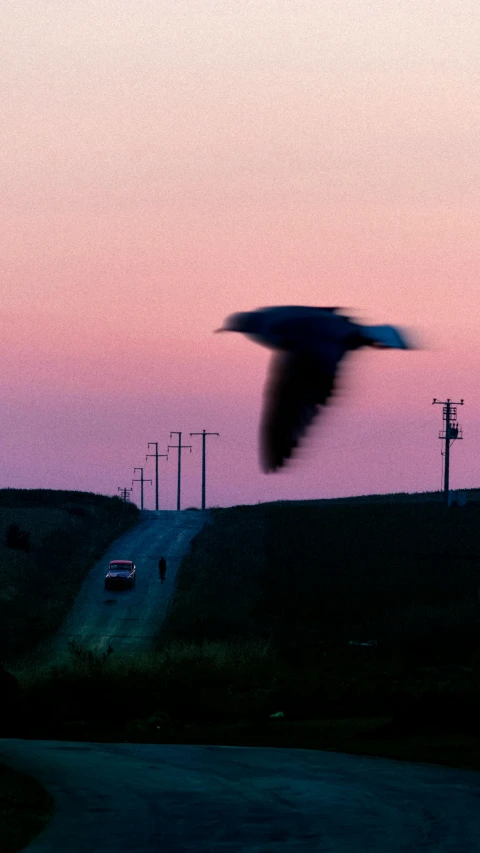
pixel 150 798
pixel 127 619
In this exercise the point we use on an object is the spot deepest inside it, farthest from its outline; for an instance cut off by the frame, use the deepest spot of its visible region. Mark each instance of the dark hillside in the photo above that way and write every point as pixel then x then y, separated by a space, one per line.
pixel 49 540
pixel 404 574
pixel 220 583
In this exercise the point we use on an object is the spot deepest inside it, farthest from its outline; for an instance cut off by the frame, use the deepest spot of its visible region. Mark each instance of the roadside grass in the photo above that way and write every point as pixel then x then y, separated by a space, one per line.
pixel 185 682
pixel 66 533
pixel 25 809
pixel 245 693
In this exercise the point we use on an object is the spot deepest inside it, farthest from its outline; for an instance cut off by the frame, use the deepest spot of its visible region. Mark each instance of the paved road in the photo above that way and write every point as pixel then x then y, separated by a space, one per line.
pixel 128 619
pixel 147 798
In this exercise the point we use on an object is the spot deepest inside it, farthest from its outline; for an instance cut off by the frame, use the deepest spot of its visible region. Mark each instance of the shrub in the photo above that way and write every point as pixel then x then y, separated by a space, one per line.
pixel 16 538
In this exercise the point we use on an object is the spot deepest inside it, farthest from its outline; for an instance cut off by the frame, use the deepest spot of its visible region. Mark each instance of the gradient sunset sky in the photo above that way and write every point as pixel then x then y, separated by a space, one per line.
pixel 165 164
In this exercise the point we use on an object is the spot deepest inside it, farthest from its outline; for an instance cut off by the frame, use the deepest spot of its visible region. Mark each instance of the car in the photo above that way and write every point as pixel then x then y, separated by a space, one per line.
pixel 121 575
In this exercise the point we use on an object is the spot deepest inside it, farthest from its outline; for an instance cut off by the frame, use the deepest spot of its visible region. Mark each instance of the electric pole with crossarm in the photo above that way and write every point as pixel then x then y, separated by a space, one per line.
pixel 157 456
pixel 203 434
pixel 140 480
pixel 179 447
pixel 452 432
pixel 125 493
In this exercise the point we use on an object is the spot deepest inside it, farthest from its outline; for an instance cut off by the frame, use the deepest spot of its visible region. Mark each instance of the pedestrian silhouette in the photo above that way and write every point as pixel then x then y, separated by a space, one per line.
pixel 162 568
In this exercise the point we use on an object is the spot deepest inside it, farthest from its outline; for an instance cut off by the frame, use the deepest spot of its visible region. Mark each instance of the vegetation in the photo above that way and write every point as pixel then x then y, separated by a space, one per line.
pixel 17 539
pixel 50 541
pixel 405 575
pixel 244 693
pixel 25 809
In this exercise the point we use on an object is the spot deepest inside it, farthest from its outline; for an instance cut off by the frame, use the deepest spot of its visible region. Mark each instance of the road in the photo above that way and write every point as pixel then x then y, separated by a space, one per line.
pixel 147 798
pixel 127 619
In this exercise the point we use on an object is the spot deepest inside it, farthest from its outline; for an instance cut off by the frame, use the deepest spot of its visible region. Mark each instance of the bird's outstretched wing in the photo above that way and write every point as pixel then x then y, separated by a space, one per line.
pixel 298 384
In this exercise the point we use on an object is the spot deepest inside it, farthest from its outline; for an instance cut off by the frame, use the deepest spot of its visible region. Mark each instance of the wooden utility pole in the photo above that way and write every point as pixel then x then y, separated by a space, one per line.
pixel 203 434
pixel 179 447
pixel 157 456
pixel 140 480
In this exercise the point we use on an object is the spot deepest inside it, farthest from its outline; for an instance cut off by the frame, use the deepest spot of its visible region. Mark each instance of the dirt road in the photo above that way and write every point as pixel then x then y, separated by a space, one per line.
pixel 128 619
pixel 114 798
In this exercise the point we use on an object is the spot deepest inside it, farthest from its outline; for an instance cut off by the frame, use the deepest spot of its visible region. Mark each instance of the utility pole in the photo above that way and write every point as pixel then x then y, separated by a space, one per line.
pixel 179 447
pixel 452 432
pixel 124 493
pixel 157 456
pixel 140 480
pixel 203 434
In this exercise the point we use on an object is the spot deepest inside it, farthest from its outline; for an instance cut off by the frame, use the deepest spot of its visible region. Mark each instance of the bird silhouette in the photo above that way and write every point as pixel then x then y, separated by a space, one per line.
pixel 310 342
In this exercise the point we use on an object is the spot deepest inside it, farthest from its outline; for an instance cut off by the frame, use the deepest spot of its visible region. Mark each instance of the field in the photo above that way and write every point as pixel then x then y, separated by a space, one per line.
pixel 59 536
pixel 404 575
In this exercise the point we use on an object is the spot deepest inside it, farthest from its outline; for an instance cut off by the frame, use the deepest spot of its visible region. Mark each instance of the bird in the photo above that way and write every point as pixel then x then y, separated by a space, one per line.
pixel 310 343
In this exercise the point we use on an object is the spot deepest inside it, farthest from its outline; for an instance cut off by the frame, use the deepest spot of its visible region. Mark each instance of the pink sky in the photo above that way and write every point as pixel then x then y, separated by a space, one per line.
pixel 166 164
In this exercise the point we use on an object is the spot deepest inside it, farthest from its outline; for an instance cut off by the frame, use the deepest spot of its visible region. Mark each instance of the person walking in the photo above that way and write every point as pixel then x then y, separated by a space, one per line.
pixel 162 568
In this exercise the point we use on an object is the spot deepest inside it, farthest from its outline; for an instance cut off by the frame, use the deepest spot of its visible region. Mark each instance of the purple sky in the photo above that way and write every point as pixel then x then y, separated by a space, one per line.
pixel 166 164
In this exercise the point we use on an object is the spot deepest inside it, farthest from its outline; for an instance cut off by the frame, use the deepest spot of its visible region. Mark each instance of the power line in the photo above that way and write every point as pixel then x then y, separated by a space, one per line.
pixel 204 435
pixel 179 447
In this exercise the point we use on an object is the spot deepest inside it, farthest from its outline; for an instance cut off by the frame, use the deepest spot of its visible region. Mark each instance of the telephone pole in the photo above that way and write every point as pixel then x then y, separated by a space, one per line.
pixel 140 480
pixel 452 432
pixel 124 494
pixel 157 456
pixel 179 447
pixel 203 434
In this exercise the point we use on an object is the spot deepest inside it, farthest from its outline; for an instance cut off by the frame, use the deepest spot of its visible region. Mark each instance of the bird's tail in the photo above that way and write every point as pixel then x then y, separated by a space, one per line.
pixel 385 337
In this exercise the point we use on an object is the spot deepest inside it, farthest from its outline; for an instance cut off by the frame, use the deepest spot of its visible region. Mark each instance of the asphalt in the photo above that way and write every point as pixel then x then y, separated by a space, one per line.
pixel 214 799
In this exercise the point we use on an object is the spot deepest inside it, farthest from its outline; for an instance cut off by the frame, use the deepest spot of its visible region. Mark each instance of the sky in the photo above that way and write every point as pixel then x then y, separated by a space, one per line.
pixel 164 165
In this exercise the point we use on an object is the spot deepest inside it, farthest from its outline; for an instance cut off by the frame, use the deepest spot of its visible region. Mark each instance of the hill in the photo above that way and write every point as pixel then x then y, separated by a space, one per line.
pixel 49 540
pixel 402 572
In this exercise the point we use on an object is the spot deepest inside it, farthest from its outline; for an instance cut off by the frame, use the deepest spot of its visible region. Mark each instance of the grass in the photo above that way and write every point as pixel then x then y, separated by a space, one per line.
pixel 404 574
pixel 66 533
pixel 25 809
pixel 245 693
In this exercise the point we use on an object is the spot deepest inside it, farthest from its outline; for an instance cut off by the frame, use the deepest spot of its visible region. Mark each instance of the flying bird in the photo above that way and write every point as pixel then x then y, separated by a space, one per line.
pixel 310 344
